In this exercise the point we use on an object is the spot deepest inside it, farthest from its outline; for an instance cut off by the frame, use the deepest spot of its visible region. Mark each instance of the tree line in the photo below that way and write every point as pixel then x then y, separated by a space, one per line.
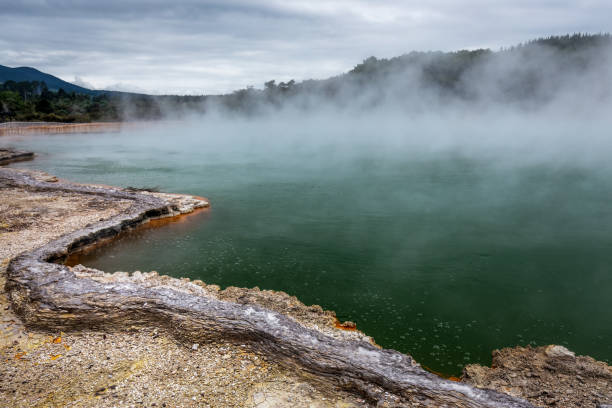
pixel 528 72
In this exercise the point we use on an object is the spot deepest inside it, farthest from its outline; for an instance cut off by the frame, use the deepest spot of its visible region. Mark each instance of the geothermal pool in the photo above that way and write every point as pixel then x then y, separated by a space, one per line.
pixel 443 247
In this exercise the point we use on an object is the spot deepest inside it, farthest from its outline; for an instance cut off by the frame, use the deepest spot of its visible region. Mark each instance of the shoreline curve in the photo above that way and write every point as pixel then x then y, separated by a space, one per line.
pixel 53 296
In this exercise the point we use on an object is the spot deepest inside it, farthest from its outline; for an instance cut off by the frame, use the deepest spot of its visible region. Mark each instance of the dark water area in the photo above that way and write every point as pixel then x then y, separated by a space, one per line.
pixel 445 254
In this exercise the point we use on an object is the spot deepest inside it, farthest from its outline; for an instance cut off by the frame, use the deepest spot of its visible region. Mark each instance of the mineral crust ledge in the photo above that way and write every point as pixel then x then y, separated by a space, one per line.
pixel 319 364
pixel 10 155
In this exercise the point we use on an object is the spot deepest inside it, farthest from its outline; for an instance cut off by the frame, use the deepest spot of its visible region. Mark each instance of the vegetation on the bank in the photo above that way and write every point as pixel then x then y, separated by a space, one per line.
pixel 32 101
pixel 527 72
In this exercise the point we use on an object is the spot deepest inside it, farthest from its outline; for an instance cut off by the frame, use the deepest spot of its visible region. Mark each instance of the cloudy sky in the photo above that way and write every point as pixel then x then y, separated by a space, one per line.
pixel 214 46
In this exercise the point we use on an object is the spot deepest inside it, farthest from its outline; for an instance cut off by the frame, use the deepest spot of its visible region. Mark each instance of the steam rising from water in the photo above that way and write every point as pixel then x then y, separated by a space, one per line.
pixel 329 139
pixel 444 226
pixel 516 107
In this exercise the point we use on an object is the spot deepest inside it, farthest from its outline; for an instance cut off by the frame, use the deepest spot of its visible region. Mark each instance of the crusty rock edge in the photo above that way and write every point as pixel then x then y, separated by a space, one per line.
pixel 49 295
pixel 10 155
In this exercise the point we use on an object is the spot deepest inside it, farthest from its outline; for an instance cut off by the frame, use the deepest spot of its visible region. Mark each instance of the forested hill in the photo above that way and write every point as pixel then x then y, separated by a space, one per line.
pixel 28 74
pixel 530 75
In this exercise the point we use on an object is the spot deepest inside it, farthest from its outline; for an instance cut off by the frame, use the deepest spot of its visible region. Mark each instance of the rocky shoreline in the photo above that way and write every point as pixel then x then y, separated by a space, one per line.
pixel 9 156
pixel 301 347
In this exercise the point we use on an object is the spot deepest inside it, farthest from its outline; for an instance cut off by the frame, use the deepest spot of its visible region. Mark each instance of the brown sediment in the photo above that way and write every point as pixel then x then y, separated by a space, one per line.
pixel 25 128
pixel 549 376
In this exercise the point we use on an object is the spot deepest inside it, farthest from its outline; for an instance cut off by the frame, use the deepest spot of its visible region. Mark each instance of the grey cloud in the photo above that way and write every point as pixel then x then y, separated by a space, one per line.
pixel 217 46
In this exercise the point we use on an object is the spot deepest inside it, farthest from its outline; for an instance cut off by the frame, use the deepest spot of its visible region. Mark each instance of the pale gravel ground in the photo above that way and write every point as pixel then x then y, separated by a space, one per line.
pixel 135 367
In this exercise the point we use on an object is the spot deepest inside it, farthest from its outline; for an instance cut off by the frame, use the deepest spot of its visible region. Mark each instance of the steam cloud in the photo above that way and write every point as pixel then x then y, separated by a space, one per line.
pixel 528 104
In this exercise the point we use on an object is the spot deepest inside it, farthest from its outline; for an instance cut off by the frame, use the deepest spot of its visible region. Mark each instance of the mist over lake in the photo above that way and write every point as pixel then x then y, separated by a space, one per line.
pixel 443 235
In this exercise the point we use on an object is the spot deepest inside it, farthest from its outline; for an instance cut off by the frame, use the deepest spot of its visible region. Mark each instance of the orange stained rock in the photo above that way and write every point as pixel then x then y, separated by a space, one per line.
pixel 76 258
pixel 180 218
pixel 439 374
pixel 350 326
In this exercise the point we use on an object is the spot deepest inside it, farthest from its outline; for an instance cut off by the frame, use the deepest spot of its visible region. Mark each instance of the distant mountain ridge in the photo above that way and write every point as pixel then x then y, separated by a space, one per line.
pixel 21 74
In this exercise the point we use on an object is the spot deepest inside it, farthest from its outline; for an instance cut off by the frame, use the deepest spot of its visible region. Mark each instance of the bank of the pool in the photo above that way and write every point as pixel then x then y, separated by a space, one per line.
pixel 49 295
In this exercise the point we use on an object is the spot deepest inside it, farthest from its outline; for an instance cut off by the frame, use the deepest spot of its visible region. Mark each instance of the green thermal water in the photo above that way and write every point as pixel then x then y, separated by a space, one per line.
pixel 439 254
